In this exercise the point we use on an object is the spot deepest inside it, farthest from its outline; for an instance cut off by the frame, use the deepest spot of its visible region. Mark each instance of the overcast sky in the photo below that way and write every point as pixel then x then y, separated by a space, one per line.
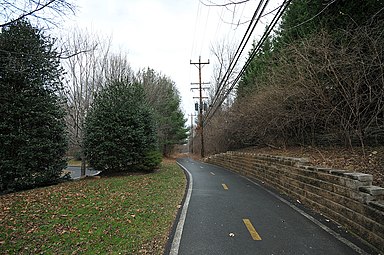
pixel 166 34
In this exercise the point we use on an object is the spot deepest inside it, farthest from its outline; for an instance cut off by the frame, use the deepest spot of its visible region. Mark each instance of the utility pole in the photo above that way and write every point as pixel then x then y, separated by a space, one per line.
pixel 191 137
pixel 200 65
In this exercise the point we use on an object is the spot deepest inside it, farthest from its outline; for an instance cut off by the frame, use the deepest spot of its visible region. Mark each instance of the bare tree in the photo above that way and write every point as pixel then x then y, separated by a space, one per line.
pixel 224 54
pixel 317 91
pixel 45 10
pixel 231 7
pixel 224 4
pixel 117 68
pixel 216 118
pixel 85 76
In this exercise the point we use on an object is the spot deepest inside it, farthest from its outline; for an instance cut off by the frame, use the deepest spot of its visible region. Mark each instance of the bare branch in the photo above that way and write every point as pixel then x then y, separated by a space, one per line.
pixel 223 5
pixel 71 55
pixel 18 10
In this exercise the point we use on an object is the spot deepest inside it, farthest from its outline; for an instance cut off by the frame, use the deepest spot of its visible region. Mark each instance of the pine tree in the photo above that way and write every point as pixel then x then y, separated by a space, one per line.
pixel 120 134
pixel 257 70
pixel 307 17
pixel 32 136
pixel 164 99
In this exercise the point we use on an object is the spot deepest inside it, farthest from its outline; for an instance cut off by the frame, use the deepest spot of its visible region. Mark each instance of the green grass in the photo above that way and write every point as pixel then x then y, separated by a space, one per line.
pixel 117 215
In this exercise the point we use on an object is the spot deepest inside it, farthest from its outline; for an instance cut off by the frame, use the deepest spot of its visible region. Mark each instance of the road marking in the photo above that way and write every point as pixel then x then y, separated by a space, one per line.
pixel 315 221
pixel 225 186
pixel 252 230
pixel 180 225
pixel 212 173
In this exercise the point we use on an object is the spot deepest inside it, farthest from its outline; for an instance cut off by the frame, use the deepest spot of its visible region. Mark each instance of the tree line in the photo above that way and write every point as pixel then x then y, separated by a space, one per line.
pixel 97 68
pixel 88 102
pixel 318 80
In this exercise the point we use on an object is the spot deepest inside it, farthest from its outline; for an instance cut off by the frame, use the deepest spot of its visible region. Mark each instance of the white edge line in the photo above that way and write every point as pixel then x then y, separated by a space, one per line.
pixel 77 178
pixel 180 225
pixel 309 217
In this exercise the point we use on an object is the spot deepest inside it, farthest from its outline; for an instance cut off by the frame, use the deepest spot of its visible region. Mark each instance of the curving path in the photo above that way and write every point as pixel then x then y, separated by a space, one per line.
pixel 225 213
pixel 75 171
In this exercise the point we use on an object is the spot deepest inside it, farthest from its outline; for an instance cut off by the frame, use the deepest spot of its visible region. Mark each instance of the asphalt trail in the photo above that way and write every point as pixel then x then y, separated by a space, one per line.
pixel 228 214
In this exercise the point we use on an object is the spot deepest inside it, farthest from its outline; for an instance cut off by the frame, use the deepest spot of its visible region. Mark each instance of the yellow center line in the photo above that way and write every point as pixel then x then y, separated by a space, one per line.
pixel 252 230
pixel 225 186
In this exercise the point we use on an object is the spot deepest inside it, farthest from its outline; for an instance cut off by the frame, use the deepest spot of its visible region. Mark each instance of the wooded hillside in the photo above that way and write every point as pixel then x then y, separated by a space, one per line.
pixel 318 80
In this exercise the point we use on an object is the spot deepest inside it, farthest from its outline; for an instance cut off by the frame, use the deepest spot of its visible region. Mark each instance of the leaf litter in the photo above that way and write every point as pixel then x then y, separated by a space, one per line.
pixel 129 214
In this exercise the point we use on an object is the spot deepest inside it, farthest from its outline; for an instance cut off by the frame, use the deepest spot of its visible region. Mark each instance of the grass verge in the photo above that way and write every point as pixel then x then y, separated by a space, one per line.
pixel 117 215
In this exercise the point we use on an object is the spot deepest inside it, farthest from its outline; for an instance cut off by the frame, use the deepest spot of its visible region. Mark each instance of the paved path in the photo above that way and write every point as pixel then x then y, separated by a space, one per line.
pixel 75 171
pixel 228 214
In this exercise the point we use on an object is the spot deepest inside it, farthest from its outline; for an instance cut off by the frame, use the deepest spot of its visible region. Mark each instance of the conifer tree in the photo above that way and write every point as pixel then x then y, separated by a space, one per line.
pixel 164 99
pixel 120 134
pixel 32 127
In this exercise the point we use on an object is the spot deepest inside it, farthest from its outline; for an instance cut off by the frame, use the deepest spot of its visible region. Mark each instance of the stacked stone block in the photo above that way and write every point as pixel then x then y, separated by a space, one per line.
pixel 348 198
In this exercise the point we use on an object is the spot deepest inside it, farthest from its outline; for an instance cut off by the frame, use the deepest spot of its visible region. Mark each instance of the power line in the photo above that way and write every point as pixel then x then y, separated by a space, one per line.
pixel 205 30
pixel 195 29
pixel 253 54
pixel 252 25
pixel 256 49
pixel 219 23
pixel 310 19
pixel 200 65
pixel 239 50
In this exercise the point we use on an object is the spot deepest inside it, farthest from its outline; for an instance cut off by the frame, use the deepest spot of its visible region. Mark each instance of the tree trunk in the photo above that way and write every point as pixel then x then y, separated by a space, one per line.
pixel 83 164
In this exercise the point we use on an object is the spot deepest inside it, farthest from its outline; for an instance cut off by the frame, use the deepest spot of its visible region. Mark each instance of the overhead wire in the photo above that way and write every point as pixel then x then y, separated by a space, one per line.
pixel 194 46
pixel 195 28
pixel 253 54
pixel 218 27
pixel 232 41
pixel 256 49
pixel 252 25
pixel 277 16
pixel 310 19
pixel 205 30
pixel 239 49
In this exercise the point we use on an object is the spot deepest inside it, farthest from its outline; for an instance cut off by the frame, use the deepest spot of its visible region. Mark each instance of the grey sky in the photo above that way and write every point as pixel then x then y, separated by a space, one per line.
pixel 166 34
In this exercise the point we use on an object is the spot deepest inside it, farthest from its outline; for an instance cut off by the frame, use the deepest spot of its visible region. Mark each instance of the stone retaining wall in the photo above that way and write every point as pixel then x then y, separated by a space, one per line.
pixel 345 197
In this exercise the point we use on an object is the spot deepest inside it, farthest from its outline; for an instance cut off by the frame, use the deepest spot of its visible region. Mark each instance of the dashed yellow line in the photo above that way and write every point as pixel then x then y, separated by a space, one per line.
pixel 252 230
pixel 225 186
